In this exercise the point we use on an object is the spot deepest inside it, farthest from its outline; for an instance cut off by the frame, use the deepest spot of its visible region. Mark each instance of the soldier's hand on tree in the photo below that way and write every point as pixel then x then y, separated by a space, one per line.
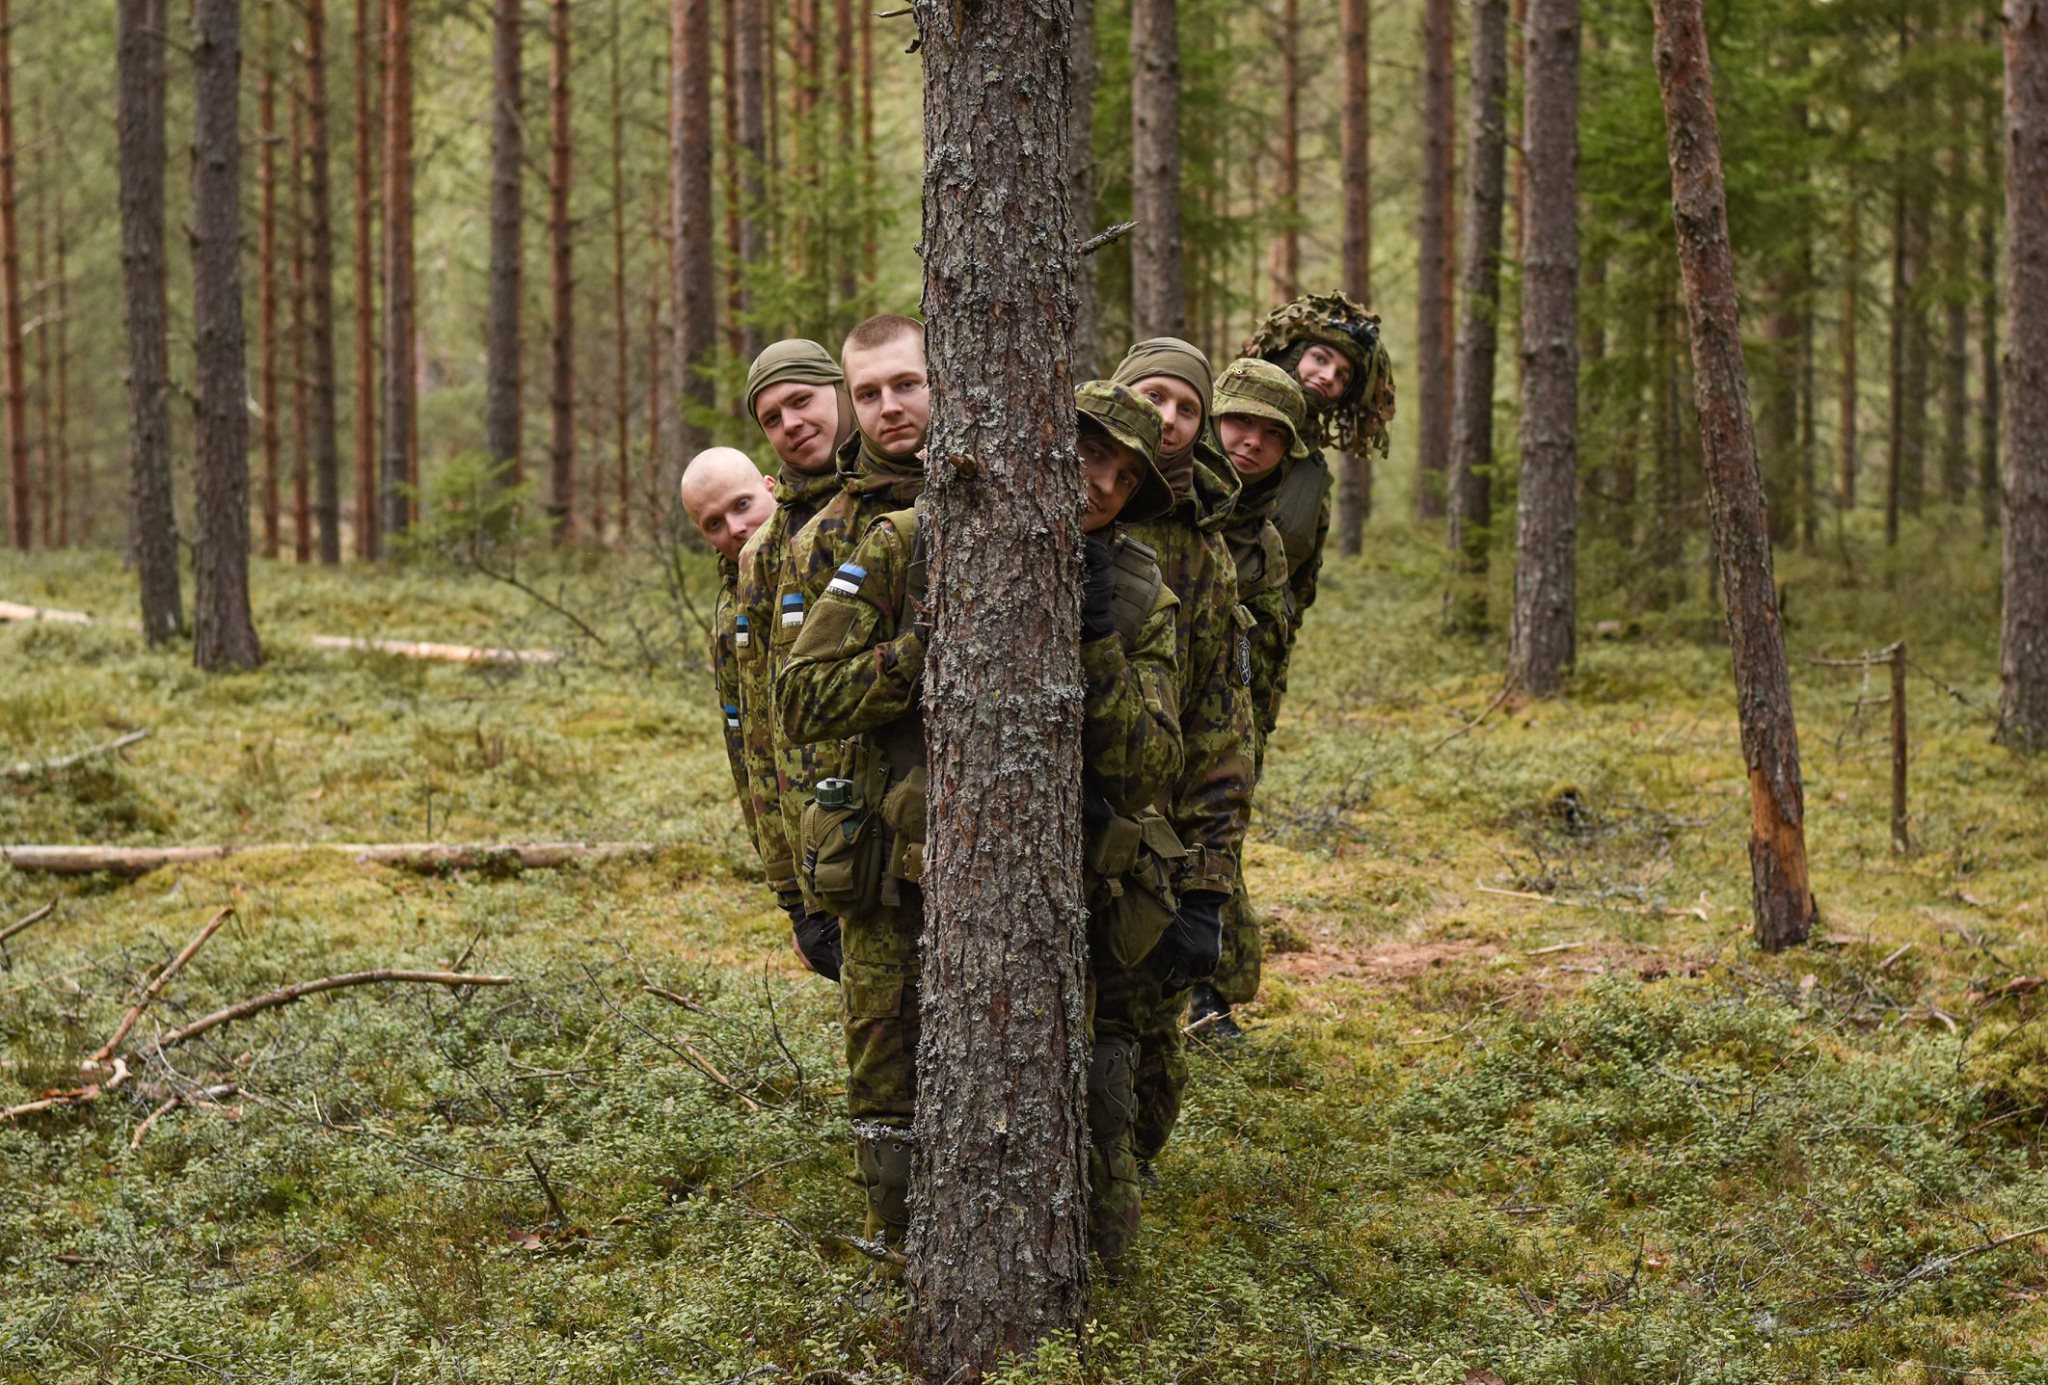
pixel 1193 944
pixel 1098 590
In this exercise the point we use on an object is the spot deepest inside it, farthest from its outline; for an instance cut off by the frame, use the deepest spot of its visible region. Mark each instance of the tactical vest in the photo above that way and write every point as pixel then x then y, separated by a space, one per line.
pixel 1297 504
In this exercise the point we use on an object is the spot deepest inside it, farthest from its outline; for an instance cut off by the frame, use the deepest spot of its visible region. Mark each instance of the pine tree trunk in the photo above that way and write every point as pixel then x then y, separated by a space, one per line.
pixel 141 42
pixel 1471 477
pixel 1085 187
pixel 621 406
pixel 1666 545
pixel 1895 442
pixel 999 1252
pixel 398 380
pixel 2023 662
pixel 325 443
pixel 1354 497
pixel 222 632
pixel 846 251
pixel 302 431
pixel 23 512
pixel 752 155
pixel 729 190
pixel 502 373
pixel 1432 304
pixel 65 528
pixel 1852 317
pixel 1158 287
pixel 1955 384
pixel 803 250
pixel 696 324
pixel 1287 240
pixel 656 379
pixel 561 285
pixel 368 518
pixel 1770 738
pixel 266 272
pixel 1987 344
pixel 46 453
pixel 1542 637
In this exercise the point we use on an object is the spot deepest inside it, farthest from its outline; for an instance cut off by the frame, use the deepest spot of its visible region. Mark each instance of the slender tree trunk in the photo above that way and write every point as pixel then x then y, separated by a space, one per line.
pixel 1354 498
pixel 1809 405
pixel 1666 546
pixel 621 407
pixel 1287 240
pixel 325 443
pixel 1082 180
pixel 1432 305
pixel 1542 638
pixel 302 431
pixel 65 530
pixel 1987 329
pixel 735 287
pixel 1852 319
pixel 870 245
pixel 846 252
pixel 222 632
pixel 369 542
pixel 2023 661
pixel 656 379
pixel 999 1247
pixel 696 323
pixel 1471 479
pixel 1896 444
pixel 803 252
pixel 561 285
pixel 502 373
pixel 46 452
pixel 1955 392
pixel 141 43
pixel 752 157
pixel 10 280
pixel 1158 288
pixel 398 380
pixel 1770 738
pixel 266 271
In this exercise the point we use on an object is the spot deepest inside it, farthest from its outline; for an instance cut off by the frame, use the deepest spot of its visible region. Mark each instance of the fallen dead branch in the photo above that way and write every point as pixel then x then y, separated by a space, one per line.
pixel 430 857
pixel 1507 691
pixel 177 964
pixel 28 769
pixel 12 610
pixel 436 653
pixel 72 1096
pixel 209 1097
pixel 34 918
pixel 299 990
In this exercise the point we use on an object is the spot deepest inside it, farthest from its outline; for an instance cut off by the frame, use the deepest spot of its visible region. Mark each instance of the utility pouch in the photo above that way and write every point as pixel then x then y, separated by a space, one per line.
pixel 1133 861
pixel 903 810
pixel 841 867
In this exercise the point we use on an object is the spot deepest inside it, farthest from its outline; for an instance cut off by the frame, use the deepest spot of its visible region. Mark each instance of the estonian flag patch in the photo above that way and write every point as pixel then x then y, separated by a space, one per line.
pixel 848 579
pixel 732 717
pixel 793 609
pixel 741 635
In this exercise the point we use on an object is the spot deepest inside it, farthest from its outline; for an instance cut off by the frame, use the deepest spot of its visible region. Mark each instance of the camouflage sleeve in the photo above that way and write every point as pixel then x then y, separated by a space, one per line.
pixel 1212 802
pixel 850 672
pixel 725 676
pixel 1302 582
pixel 757 718
pixel 1130 735
pixel 1272 634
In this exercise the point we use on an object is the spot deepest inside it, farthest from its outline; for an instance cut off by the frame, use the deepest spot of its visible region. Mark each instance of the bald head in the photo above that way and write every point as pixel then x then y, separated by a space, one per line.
pixel 726 498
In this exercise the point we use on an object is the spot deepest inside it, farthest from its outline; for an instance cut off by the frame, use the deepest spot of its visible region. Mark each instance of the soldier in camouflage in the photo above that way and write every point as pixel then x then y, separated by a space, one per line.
pixel 1211 801
pixel 796 392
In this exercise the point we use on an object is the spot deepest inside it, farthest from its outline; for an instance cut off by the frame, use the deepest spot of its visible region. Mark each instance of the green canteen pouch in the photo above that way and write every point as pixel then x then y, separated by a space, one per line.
pixel 841 865
pixel 903 810
pixel 1136 859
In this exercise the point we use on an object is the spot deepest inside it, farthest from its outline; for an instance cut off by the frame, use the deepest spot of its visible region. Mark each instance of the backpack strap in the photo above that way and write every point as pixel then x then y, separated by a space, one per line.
pixel 1296 505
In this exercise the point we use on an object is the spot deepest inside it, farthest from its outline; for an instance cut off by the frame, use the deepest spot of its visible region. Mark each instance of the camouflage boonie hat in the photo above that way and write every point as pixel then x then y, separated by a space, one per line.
pixel 1263 390
pixel 1359 419
pixel 1132 420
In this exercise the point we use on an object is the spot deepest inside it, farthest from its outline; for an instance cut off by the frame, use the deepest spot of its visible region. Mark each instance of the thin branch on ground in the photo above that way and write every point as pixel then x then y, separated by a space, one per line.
pixel 298 990
pixel 150 992
pixel 28 769
pixel 34 918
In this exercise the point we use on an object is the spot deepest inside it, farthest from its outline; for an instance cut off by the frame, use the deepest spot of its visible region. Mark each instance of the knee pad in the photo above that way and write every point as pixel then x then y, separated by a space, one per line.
pixel 1112 1087
pixel 884 1156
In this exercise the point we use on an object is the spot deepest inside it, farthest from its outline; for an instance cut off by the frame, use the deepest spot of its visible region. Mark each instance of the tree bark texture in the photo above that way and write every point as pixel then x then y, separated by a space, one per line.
pixel 302 435
pixel 46 467
pixel 367 516
pixel 1542 637
pixel 1471 478
pixel 846 241
pixel 1287 192
pixel 561 501
pixel 751 152
pixel 508 161
pixel 1955 379
pixel 222 632
pixel 1433 248
pixel 1988 291
pixel 1158 284
pixel 2023 660
pixel 621 403
pixel 999 1247
pixel 696 310
pixel 1852 321
pixel 1083 182
pixel 398 381
pixel 1354 497
pixel 266 271
pixel 64 510
pixel 319 193
pixel 140 115
pixel 22 516
pixel 1770 738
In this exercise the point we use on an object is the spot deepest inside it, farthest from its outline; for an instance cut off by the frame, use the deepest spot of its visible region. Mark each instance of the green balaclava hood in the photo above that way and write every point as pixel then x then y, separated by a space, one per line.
pixel 1179 360
pixel 799 359
pixel 1359 419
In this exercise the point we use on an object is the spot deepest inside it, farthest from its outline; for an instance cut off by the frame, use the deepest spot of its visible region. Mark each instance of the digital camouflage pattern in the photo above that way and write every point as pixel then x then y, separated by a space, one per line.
pixel 1358 420
pixel 725 677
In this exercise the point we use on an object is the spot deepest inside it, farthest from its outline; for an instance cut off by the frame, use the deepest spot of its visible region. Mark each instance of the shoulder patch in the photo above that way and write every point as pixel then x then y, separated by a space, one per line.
pixel 793 608
pixel 847 580
pixel 741 634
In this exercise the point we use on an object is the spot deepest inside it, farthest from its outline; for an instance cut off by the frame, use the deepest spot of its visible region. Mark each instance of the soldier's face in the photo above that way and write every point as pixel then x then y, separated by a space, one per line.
pixel 1254 445
pixel 1111 472
pixel 890 397
pixel 728 507
pixel 1324 370
pixel 1180 410
pixel 801 420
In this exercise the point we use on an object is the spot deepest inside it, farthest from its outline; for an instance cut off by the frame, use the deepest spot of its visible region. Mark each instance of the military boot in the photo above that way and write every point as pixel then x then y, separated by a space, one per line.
pixel 884 1156
pixel 1209 1015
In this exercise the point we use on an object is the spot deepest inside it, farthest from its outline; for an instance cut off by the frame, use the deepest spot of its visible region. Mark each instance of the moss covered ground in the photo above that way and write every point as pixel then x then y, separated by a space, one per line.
pixel 1520 1101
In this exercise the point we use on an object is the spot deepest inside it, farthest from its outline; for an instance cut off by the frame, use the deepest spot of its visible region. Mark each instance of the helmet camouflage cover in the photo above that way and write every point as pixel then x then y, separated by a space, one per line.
pixel 1359 419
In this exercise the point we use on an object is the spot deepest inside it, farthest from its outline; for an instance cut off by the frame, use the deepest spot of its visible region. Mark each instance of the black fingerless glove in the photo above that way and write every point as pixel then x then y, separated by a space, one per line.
pixel 1193 943
pixel 814 936
pixel 1098 589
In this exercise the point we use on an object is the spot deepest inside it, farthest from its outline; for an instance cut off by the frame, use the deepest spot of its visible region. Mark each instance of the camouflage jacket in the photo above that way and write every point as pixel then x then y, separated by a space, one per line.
pixel 725 677
pixel 1211 801
pixel 858 666
pixel 1301 514
pixel 1260 557
pixel 798 498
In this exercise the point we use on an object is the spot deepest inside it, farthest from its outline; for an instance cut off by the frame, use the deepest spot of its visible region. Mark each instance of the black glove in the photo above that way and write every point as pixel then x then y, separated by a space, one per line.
pixel 1098 588
pixel 1193 943
pixel 814 936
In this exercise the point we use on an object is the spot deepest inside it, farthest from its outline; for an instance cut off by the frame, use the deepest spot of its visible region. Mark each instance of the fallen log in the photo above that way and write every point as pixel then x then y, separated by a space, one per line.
pixel 11 610
pixel 26 769
pixel 427 857
pixel 404 649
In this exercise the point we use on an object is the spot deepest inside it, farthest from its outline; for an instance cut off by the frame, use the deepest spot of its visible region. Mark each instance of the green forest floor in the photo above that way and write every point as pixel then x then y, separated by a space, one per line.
pixel 1520 1101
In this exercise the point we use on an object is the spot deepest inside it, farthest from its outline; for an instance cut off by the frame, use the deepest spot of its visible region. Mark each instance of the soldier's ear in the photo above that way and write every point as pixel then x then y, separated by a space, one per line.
pixel 769 482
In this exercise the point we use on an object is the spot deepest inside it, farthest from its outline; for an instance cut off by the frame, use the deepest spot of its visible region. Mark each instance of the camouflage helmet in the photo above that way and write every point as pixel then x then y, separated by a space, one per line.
pixel 1359 419
pixel 1132 421
pixel 1263 390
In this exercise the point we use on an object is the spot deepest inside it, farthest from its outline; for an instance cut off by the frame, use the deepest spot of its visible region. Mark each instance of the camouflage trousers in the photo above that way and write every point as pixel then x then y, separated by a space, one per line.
pixel 1244 948
pixel 1132 1008
pixel 879 1009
